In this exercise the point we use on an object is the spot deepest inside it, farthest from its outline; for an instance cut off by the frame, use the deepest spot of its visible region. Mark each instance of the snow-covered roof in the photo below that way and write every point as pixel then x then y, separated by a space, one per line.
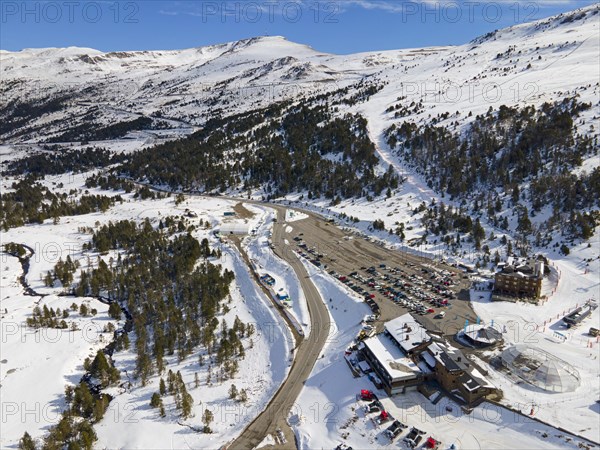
pixel 234 228
pixel 407 332
pixel 396 364
pixel 448 356
pixel 428 359
pixel 482 333
pixel 522 267
pixel 483 381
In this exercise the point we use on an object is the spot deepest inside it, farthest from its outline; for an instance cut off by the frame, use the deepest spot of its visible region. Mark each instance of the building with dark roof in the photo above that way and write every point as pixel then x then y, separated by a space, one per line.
pixel 405 356
pixel 480 336
pixel 456 374
pixel 520 277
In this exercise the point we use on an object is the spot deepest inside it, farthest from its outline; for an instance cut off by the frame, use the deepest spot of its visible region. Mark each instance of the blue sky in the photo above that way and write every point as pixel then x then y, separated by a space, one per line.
pixel 344 26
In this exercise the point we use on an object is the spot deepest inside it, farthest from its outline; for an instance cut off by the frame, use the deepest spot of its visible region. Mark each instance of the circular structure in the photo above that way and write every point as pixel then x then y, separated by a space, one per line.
pixel 540 368
pixel 480 335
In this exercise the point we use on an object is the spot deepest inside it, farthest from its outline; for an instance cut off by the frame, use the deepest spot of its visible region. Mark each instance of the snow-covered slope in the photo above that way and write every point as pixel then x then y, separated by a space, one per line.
pixel 521 65
pixel 526 63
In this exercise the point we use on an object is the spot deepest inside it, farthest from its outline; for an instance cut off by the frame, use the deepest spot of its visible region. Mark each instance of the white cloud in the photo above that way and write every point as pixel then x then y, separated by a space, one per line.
pixel 168 13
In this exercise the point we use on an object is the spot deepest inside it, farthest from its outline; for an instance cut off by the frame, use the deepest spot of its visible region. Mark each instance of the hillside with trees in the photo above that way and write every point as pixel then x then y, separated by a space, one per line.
pixel 175 302
pixel 281 149
pixel 522 159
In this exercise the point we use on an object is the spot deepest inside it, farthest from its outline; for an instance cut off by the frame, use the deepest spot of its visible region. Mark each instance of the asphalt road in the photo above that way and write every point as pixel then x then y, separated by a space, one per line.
pixel 307 352
pixel 346 252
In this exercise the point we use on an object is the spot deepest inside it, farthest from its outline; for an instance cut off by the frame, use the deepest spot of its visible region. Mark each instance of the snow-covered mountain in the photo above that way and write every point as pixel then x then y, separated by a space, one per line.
pixel 327 133
pixel 528 63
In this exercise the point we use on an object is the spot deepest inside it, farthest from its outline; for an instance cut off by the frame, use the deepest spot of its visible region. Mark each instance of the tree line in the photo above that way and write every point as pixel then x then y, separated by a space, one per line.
pixel 31 202
pixel 283 149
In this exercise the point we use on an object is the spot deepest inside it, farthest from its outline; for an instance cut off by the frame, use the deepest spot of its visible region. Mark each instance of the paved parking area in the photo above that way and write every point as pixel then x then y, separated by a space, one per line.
pixel 397 282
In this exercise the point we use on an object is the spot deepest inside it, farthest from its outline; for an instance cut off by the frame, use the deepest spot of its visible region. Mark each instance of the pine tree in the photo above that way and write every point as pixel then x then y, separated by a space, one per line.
pixel 155 400
pixel 114 311
pixel 524 225
pixel 99 408
pixel 87 435
pixel 207 419
pixel 186 405
pixel 233 392
pixel 101 369
pixel 49 279
pixel 26 442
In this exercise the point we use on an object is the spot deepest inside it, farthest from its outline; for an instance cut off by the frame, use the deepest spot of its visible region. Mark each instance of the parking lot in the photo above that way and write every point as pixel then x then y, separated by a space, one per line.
pixel 418 294
pixel 391 282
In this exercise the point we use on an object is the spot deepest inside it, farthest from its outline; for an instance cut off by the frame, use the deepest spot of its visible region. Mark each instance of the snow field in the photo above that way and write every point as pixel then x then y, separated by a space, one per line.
pixel 129 421
pixel 36 364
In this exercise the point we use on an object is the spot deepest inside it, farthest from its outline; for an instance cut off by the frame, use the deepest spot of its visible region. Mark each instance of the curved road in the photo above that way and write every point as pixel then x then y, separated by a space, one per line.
pixel 308 350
